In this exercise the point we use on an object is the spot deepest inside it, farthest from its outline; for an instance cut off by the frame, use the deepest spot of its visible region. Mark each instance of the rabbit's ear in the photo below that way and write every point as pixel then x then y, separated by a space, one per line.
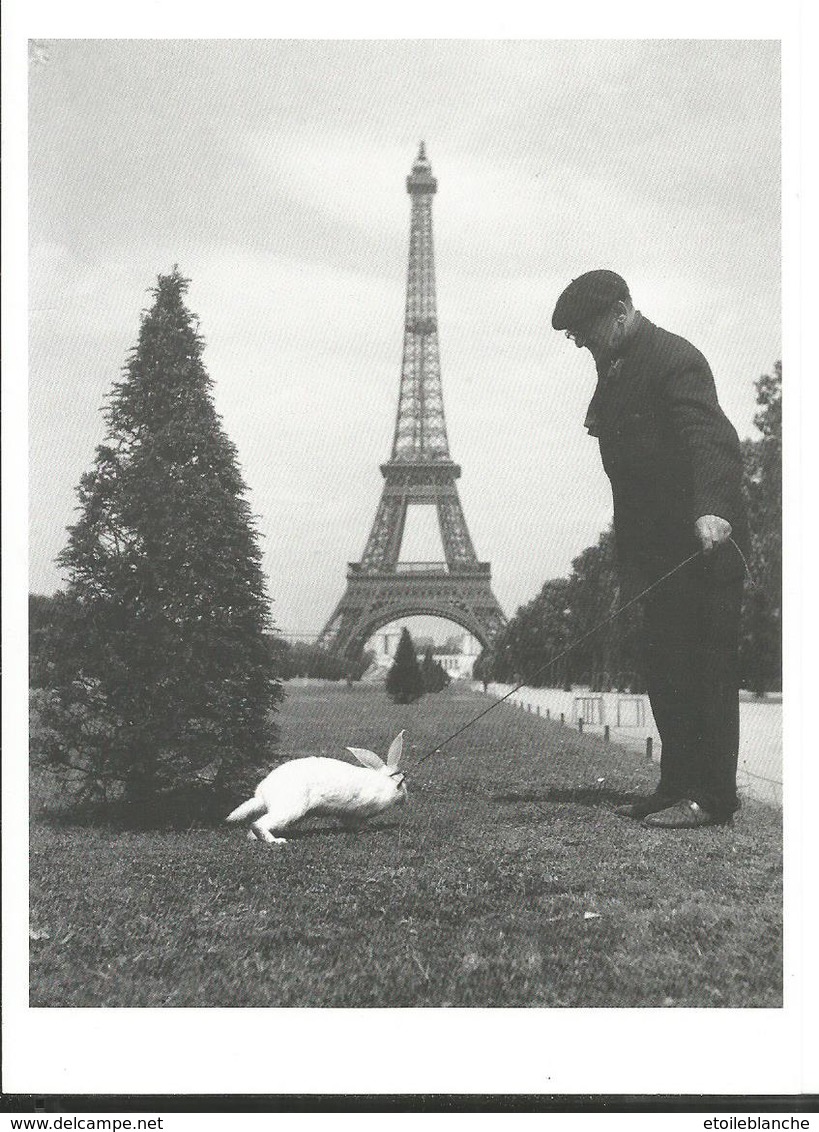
pixel 394 753
pixel 367 758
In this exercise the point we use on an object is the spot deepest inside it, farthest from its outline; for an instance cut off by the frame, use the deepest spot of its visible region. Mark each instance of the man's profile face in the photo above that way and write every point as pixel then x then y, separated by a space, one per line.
pixel 599 334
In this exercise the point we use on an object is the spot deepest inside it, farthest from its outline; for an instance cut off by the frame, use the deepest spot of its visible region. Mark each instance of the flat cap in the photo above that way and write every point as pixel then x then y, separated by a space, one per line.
pixel 588 295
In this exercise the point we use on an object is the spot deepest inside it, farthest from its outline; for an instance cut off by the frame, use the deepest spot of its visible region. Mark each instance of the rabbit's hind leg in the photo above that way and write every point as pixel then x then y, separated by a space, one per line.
pixel 254 835
pixel 261 830
pixel 281 814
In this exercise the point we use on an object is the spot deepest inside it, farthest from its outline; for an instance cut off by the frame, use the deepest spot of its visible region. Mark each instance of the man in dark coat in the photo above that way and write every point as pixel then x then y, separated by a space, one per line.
pixel 674 462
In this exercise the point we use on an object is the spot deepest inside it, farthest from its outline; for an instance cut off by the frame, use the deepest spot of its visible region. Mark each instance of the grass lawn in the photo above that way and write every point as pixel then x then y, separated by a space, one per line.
pixel 506 881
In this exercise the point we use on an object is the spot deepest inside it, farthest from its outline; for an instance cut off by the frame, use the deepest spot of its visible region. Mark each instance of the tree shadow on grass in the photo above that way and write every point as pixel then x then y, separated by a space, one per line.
pixel 173 811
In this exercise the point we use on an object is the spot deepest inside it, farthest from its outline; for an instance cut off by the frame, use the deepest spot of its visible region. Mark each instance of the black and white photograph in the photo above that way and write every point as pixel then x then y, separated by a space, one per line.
pixel 404 566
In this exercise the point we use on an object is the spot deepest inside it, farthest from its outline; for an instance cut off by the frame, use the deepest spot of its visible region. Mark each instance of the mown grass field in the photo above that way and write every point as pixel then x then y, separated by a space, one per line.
pixel 507 881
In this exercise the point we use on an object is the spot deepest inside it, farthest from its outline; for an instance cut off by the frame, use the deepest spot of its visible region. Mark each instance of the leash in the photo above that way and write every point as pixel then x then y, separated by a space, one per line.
pixel 569 648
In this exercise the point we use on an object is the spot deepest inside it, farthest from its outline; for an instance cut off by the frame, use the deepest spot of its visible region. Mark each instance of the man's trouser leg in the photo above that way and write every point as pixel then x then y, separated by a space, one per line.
pixel 692 632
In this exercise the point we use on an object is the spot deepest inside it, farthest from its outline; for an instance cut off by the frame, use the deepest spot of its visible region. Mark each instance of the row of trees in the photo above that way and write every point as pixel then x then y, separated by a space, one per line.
pixel 565 610
pixel 303 659
pixel 568 608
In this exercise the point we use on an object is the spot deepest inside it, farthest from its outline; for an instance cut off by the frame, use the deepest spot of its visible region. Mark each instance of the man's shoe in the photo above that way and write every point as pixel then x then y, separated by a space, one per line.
pixel 643 807
pixel 684 814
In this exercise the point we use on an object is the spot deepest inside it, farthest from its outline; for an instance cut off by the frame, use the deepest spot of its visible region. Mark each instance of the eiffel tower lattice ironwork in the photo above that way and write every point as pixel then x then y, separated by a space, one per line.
pixel 380 588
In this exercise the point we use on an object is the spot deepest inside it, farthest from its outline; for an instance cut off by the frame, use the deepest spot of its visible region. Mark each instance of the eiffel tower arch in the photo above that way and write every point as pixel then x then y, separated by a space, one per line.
pixel 380 588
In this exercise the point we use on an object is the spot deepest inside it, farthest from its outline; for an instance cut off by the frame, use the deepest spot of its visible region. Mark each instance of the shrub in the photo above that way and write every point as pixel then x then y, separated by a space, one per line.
pixel 433 675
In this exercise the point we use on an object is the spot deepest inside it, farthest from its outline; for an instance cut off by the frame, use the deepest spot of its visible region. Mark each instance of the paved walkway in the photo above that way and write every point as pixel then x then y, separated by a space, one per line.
pixel 759 773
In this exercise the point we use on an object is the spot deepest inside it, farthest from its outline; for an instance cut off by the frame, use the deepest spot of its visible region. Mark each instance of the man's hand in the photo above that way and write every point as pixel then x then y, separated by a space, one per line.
pixel 711 531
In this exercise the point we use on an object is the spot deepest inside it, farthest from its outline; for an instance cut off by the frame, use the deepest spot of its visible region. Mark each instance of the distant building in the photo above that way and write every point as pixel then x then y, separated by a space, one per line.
pixel 456 656
pixel 459 659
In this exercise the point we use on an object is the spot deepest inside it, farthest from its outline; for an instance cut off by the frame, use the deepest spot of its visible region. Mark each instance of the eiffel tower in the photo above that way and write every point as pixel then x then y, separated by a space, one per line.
pixel 381 589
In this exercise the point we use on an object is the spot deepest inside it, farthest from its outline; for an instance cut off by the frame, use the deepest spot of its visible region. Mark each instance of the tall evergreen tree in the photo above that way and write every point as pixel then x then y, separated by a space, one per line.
pixel 160 656
pixel 404 682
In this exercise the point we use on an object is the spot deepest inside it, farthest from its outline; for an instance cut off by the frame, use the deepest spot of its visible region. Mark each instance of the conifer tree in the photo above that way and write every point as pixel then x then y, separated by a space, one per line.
pixel 404 682
pixel 434 678
pixel 160 658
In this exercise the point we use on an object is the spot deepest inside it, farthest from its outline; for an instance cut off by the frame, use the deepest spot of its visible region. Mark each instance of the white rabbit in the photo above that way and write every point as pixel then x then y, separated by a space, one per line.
pixel 324 786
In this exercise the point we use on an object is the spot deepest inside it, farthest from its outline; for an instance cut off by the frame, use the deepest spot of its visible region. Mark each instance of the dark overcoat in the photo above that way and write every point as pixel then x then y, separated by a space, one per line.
pixel 668 449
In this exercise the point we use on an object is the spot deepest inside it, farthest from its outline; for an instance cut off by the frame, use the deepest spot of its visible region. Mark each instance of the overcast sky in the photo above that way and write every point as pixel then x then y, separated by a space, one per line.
pixel 272 173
